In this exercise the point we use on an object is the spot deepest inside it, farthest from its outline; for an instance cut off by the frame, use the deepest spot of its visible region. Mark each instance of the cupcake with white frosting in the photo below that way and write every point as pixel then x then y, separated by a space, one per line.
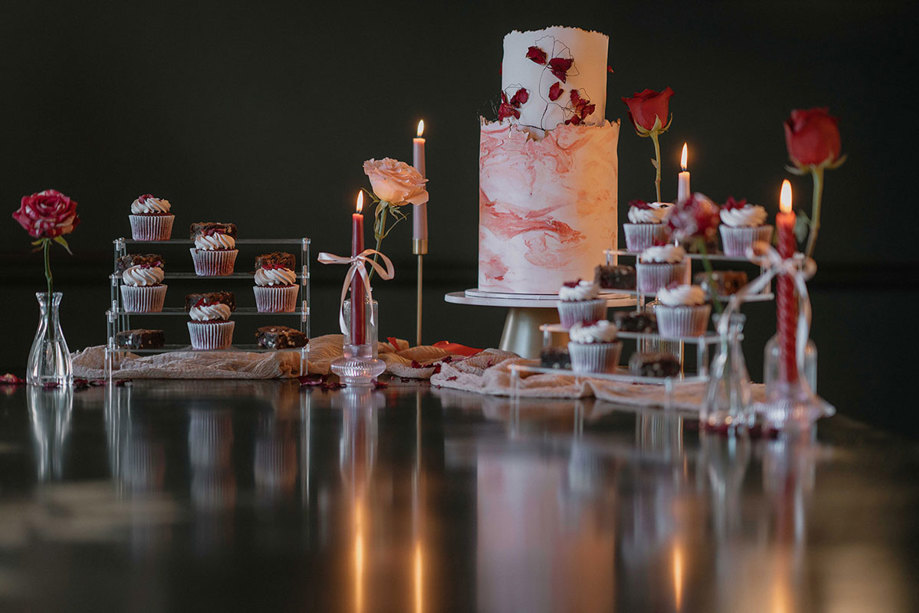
pixel 142 288
pixel 275 283
pixel 742 225
pixel 214 253
pixel 593 347
pixel 646 226
pixel 210 327
pixel 682 311
pixel 151 219
pixel 579 301
pixel 659 266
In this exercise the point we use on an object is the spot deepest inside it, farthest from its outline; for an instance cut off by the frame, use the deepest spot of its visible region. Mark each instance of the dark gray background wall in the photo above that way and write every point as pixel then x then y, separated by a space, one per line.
pixel 261 113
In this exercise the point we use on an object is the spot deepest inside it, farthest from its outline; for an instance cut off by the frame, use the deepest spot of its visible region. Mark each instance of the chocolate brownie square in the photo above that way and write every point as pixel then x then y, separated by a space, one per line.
pixel 615 277
pixel 280 337
pixel 137 259
pixel 726 282
pixel 277 259
pixel 635 321
pixel 555 357
pixel 212 227
pixel 140 339
pixel 654 364
pixel 226 298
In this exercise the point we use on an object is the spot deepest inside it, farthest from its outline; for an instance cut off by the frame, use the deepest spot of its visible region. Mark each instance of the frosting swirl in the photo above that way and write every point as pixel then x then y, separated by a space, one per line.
pixel 670 254
pixel 584 290
pixel 681 295
pixel 654 212
pixel 749 216
pixel 597 332
pixel 143 276
pixel 210 312
pixel 275 276
pixel 213 242
pixel 148 205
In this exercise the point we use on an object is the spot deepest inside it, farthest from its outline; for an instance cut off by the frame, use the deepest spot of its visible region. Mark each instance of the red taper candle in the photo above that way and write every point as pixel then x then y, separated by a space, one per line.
pixel 358 327
pixel 786 305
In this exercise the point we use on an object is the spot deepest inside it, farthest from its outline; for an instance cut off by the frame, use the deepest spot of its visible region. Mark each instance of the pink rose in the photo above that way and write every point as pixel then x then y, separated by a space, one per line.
pixel 47 214
pixel 396 182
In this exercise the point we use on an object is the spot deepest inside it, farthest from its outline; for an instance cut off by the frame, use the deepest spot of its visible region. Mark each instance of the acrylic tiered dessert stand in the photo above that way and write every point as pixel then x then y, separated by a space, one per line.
pixel 622 375
pixel 119 320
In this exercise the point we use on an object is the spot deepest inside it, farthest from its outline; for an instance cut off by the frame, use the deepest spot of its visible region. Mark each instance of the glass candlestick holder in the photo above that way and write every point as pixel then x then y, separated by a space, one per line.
pixel 359 365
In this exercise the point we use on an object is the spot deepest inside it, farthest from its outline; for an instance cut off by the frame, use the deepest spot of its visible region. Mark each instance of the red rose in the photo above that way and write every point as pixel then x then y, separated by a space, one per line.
pixel 812 137
pixel 647 106
pixel 47 214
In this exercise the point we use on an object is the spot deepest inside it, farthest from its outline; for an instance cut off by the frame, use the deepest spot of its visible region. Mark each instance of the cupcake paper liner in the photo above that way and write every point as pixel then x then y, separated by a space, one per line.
pixel 214 335
pixel 580 311
pixel 682 321
pixel 218 262
pixel 594 357
pixel 151 227
pixel 640 236
pixel 653 277
pixel 736 240
pixel 143 299
pixel 276 299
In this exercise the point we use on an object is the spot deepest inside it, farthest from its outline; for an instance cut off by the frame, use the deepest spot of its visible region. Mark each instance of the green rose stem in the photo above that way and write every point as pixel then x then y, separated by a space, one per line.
pixel 657 162
pixel 817 174
pixel 379 231
pixel 46 248
pixel 709 274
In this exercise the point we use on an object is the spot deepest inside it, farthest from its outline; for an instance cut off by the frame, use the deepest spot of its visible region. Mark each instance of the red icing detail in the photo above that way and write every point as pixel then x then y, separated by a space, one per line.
pixel 537 55
pixel 572 283
pixel 609 69
pixel 639 204
pixel 555 91
pixel 559 67
pixel 734 204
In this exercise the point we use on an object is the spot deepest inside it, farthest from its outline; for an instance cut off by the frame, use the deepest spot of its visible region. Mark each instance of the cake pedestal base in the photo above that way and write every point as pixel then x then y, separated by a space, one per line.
pixel 526 312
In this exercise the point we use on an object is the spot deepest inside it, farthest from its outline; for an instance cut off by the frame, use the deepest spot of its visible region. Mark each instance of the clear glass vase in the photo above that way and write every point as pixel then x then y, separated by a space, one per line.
pixel 772 360
pixel 49 359
pixel 359 364
pixel 727 403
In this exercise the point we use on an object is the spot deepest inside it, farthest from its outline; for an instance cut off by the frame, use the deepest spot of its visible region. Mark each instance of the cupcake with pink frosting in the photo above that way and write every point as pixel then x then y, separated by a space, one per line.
pixel 151 219
pixel 742 225
pixel 682 311
pixel 579 301
pixel 275 283
pixel 659 266
pixel 210 327
pixel 142 288
pixel 646 226
pixel 593 347
pixel 214 253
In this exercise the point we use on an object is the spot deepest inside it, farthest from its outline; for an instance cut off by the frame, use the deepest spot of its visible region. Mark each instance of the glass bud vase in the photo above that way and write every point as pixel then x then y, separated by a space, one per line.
pixel 359 364
pixel 772 360
pixel 728 401
pixel 49 359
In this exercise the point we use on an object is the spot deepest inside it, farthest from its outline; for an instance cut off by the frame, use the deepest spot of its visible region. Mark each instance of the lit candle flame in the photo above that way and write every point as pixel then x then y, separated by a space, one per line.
pixel 785 197
pixel 684 156
pixel 360 201
pixel 420 128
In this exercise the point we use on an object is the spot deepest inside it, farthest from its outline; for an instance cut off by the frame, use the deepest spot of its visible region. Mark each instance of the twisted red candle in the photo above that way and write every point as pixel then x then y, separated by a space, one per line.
pixel 358 328
pixel 786 304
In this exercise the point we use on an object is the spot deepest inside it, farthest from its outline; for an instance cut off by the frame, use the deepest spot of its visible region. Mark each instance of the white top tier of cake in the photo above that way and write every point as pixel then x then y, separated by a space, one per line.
pixel 587 74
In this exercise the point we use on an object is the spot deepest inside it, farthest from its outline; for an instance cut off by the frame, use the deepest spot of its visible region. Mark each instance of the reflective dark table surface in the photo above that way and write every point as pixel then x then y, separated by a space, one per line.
pixel 216 496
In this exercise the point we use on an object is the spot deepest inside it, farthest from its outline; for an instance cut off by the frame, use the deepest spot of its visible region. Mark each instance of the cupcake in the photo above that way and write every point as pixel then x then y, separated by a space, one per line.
pixel 659 266
pixel 151 219
pixel 215 250
pixel 275 283
pixel 209 327
pixel 742 225
pixel 682 311
pixel 645 228
pixel 593 347
pixel 578 301
pixel 142 289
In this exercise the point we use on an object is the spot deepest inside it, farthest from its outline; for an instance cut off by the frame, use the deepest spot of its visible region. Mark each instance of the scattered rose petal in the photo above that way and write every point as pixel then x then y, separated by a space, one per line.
pixel 609 69
pixel 555 91
pixel 379 385
pixel 11 379
pixel 453 378
pixel 312 380
pixel 537 55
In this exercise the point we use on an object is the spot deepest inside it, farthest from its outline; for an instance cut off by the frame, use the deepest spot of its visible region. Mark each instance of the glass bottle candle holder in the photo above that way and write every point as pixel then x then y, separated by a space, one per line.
pixel 772 360
pixel 359 365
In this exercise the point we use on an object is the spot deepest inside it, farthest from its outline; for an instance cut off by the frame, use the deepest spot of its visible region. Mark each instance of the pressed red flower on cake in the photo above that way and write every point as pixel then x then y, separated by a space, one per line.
pixel 520 97
pixel 581 108
pixel 537 55
pixel 555 91
pixel 559 66
pixel 47 214
pixel 812 137
pixel 649 110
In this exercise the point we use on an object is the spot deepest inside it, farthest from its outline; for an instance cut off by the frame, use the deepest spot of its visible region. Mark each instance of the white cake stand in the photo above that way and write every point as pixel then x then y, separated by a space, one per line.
pixel 526 312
